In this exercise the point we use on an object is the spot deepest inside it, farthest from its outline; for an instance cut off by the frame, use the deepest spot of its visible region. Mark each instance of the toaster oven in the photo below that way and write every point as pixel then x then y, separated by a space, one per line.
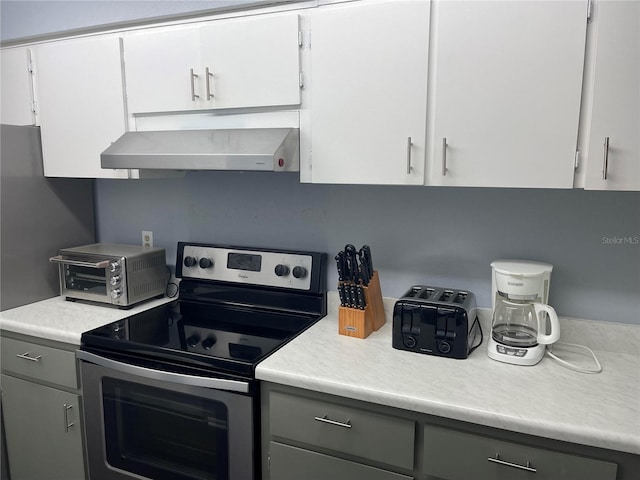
pixel 436 321
pixel 120 275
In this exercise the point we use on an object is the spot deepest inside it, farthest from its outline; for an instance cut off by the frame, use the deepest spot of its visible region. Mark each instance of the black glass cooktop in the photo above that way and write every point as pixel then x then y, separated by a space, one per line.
pixel 228 339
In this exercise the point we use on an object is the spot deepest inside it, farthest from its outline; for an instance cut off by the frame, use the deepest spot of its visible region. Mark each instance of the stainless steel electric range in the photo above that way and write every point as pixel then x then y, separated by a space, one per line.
pixel 171 393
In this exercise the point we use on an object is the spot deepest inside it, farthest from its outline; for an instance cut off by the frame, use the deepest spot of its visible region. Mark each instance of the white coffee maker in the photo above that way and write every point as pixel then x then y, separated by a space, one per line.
pixel 520 292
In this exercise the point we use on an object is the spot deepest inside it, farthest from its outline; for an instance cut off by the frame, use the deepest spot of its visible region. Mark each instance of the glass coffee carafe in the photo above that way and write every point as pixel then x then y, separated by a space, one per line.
pixel 522 323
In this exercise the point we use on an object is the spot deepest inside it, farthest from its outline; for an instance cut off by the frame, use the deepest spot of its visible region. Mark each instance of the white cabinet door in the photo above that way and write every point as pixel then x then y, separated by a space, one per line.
pixel 16 88
pixel 158 71
pixel 368 96
pixel 248 62
pixel 616 98
pixel 508 83
pixel 80 105
pixel 253 62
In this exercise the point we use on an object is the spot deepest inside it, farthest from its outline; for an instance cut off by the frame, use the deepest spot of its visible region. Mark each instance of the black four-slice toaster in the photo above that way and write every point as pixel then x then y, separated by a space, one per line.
pixel 436 321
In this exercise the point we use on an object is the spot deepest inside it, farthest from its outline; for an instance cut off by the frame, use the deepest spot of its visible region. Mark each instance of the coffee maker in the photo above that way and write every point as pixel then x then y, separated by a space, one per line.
pixel 520 291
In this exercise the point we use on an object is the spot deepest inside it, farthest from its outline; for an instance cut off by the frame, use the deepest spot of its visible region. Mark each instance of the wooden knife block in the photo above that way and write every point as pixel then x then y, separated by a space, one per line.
pixel 357 323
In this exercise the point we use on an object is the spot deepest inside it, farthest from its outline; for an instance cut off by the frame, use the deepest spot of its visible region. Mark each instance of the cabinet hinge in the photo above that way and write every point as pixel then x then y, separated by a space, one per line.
pixel 301 80
pixel 589 10
pixel 576 160
pixel 300 38
pixel 33 107
pixel 269 463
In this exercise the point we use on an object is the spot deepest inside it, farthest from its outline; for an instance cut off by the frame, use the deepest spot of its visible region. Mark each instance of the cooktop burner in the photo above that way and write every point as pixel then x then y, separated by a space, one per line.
pixel 226 320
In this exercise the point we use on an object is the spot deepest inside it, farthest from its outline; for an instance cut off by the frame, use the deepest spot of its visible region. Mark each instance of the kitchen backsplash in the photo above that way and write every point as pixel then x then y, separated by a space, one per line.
pixel 418 235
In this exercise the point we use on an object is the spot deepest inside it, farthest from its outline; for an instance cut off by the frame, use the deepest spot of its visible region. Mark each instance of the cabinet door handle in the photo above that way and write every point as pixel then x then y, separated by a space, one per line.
pixel 326 419
pixel 192 78
pixel 605 161
pixel 208 75
pixel 27 356
pixel 409 145
pixel 444 156
pixel 526 467
pixel 67 425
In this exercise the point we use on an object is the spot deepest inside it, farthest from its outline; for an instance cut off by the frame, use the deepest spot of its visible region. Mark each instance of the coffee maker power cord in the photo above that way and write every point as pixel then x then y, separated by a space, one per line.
pixel 564 363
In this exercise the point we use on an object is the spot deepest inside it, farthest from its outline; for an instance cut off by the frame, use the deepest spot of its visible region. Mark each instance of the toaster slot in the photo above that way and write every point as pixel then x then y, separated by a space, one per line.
pixel 414 292
pixel 426 293
pixel 460 297
pixel 446 295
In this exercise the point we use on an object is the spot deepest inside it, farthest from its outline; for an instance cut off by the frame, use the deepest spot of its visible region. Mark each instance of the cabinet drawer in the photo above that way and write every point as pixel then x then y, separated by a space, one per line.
pixel 458 455
pixel 291 463
pixel 39 362
pixel 343 429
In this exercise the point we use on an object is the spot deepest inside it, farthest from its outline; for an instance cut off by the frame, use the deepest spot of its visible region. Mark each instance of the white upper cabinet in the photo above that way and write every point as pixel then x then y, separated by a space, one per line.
pixel 229 63
pixel 368 92
pixel 506 92
pixel 80 105
pixel 16 91
pixel 614 137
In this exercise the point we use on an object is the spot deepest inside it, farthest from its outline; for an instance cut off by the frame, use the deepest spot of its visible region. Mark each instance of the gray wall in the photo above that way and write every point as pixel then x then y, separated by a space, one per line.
pixel 441 236
pixel 38 216
pixel 26 18
pixel 419 235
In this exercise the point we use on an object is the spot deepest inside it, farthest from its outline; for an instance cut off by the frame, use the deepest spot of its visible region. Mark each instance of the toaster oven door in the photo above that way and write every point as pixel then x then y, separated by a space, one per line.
pixel 86 280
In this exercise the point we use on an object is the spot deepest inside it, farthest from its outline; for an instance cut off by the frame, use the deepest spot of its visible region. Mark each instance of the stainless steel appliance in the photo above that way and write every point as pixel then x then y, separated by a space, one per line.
pixel 171 393
pixel 121 275
pixel 437 321
pixel 520 311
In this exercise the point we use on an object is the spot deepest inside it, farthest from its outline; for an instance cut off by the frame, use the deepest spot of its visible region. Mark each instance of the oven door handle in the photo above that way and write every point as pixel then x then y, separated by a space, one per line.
pixel 78 263
pixel 191 380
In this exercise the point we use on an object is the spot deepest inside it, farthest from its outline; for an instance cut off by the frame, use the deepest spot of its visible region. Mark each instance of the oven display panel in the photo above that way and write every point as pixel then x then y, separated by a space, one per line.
pixel 244 261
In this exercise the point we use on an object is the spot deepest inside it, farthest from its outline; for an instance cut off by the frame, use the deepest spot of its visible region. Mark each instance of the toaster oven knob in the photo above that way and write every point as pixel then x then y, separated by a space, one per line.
pixel 189 261
pixel 114 267
pixel 299 272
pixel 116 292
pixel 115 280
pixel 205 263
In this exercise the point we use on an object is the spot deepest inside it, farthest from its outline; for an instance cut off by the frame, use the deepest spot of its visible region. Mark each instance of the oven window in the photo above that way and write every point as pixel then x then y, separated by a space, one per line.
pixel 164 435
pixel 85 279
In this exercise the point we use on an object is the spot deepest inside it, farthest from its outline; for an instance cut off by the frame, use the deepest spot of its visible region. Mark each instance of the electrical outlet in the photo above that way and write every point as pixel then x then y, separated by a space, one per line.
pixel 147 238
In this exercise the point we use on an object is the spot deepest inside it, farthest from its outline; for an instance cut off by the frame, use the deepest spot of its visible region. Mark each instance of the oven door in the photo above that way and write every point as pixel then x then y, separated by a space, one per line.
pixel 149 424
pixel 85 279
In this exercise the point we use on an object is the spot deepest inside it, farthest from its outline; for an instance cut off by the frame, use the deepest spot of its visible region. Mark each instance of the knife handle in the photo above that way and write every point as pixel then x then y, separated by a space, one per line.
pixel 340 265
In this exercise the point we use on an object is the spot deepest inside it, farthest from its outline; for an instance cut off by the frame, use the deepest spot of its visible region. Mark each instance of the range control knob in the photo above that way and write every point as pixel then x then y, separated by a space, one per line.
pixel 115 267
pixel 189 261
pixel 208 342
pixel 116 292
pixel 282 270
pixel 115 280
pixel 299 272
pixel 193 340
pixel 205 262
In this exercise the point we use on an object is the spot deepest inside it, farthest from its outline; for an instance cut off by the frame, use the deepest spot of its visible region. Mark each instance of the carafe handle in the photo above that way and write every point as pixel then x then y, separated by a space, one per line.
pixel 554 336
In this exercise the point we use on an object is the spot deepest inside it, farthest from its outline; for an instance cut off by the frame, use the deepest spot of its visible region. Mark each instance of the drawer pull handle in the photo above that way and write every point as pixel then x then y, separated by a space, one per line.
pixel 27 356
pixel 67 425
pixel 326 419
pixel 526 467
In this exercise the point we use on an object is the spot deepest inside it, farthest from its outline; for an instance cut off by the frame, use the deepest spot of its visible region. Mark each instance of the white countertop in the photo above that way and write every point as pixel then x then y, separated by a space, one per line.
pixel 63 321
pixel 547 400
pixel 601 410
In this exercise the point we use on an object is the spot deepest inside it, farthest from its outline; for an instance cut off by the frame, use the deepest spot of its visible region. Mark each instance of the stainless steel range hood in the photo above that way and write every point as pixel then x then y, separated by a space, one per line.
pixel 264 149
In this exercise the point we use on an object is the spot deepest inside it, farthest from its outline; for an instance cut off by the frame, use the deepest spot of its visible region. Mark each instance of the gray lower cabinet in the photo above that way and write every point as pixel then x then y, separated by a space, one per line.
pixel 292 463
pixel 41 408
pixel 486 458
pixel 311 435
